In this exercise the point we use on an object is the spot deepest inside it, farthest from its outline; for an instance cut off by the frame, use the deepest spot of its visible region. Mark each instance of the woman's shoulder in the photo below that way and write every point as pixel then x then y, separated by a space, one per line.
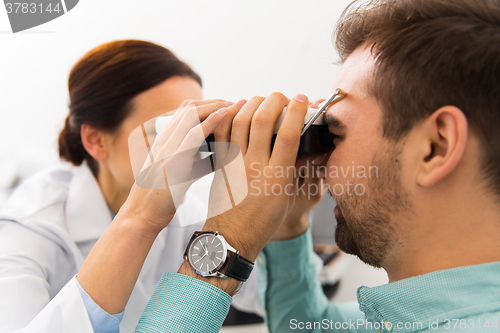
pixel 41 203
pixel 43 189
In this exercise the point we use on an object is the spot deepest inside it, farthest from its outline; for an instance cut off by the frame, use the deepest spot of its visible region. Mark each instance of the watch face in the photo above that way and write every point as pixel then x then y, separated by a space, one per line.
pixel 207 253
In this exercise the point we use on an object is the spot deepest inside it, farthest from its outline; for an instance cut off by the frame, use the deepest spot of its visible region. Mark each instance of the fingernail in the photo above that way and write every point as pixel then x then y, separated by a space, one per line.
pixel 229 103
pixel 222 110
pixel 300 98
pixel 318 159
pixel 242 102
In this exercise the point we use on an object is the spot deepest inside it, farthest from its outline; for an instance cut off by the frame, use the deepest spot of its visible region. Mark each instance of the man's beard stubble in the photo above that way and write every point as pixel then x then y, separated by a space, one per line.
pixel 366 224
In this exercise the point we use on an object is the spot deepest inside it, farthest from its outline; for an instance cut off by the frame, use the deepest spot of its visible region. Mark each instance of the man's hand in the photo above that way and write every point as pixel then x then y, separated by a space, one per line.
pixel 309 191
pixel 250 225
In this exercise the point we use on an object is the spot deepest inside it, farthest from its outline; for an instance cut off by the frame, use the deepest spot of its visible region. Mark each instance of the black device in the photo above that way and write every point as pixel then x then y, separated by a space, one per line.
pixel 315 139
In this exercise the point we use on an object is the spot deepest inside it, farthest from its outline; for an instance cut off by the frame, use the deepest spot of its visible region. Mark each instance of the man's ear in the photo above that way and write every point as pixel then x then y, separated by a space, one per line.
pixel 446 133
pixel 94 142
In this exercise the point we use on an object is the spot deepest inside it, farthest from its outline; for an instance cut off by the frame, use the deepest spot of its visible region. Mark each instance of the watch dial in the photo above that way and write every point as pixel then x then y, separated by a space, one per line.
pixel 206 253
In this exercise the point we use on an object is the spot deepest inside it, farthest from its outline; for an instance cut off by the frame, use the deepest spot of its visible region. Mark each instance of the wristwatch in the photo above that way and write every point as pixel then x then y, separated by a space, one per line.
pixel 209 254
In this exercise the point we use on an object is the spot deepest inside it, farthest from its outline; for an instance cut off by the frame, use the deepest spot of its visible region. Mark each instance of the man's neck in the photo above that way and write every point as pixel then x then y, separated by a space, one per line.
pixel 445 234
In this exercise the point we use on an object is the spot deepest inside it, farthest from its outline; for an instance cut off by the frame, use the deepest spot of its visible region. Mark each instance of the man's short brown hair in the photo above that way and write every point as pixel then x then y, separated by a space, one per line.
pixel 432 53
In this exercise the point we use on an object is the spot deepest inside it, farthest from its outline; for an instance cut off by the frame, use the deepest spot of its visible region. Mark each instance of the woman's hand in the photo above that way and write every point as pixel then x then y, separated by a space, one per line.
pixel 166 174
pixel 111 269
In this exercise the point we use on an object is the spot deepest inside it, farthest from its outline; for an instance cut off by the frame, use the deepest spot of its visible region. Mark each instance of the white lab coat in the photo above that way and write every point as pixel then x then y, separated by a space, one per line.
pixel 47 228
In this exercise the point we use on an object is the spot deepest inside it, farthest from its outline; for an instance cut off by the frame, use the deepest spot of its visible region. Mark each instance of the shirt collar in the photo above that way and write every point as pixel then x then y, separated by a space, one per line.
pixel 437 296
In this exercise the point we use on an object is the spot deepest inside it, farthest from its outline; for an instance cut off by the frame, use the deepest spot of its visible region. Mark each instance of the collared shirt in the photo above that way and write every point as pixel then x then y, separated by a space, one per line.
pixel 463 299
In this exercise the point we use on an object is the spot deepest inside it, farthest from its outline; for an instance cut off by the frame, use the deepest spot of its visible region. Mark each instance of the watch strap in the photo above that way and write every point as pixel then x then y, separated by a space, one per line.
pixel 239 268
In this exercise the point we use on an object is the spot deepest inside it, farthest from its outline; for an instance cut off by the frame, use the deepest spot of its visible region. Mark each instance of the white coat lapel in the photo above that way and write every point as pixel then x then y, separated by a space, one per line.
pixel 87 213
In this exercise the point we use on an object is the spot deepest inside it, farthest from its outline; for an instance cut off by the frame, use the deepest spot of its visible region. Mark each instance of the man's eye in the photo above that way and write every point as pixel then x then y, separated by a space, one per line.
pixel 328 139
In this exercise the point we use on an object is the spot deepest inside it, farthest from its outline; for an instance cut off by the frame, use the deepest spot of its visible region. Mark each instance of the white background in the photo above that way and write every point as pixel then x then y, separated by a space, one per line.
pixel 239 48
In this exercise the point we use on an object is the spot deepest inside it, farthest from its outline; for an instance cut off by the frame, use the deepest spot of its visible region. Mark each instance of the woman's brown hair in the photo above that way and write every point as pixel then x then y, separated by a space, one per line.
pixel 102 85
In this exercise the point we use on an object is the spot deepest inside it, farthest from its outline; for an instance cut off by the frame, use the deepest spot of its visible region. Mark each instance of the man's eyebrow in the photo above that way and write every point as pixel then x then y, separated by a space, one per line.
pixel 332 121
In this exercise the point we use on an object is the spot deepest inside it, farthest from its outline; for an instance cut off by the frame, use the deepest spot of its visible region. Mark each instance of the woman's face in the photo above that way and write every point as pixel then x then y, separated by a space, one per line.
pixel 156 101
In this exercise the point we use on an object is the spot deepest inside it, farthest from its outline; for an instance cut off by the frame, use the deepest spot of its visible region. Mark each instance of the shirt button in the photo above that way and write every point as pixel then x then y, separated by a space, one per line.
pixel 388 325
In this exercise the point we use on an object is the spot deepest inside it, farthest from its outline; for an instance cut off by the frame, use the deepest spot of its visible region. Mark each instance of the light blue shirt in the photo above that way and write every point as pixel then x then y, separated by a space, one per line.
pixel 184 304
pixel 179 304
pixel 464 299
pixel 102 322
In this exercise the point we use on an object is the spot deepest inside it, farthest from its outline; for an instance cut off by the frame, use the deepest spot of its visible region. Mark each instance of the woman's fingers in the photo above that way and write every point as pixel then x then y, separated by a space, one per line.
pixel 188 117
pixel 316 104
pixel 203 109
pixel 223 132
pixel 198 134
pixel 200 102
pixel 206 110
pixel 178 166
pixel 170 138
pixel 195 103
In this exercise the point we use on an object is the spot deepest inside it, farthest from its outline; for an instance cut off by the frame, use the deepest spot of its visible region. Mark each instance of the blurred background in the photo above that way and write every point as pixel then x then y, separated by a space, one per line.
pixel 240 49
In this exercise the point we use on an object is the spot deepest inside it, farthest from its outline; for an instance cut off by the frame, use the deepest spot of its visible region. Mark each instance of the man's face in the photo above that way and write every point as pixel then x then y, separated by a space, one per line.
pixel 363 173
